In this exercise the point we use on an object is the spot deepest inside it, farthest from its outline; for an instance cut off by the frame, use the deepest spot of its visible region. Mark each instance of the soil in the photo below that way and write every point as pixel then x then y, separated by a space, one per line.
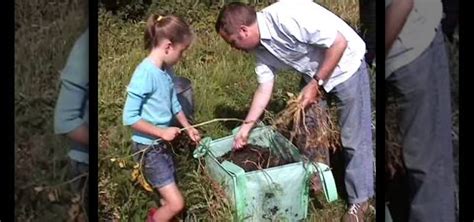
pixel 253 157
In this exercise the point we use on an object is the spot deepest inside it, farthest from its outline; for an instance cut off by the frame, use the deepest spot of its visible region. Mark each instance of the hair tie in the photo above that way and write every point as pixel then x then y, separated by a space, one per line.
pixel 159 18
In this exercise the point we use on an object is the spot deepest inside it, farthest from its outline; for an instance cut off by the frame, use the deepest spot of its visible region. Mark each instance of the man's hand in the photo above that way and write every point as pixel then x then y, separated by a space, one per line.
pixel 309 93
pixel 242 136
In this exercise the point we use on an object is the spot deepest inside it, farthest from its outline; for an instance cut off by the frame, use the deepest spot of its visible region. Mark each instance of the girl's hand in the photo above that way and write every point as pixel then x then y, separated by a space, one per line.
pixel 170 133
pixel 194 135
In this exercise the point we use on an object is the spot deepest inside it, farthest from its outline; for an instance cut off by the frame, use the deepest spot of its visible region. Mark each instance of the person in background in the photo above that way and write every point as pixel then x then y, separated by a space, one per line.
pixel 416 66
pixel 71 116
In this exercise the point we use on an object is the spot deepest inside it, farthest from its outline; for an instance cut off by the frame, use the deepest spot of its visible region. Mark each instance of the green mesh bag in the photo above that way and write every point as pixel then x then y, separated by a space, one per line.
pixel 277 194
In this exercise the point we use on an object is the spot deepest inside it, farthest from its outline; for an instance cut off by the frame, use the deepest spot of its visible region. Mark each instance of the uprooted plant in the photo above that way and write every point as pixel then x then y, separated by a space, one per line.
pixel 310 128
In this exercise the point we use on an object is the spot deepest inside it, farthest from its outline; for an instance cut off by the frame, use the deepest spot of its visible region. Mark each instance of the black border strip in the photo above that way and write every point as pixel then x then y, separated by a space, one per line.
pixel 7 212
pixel 93 111
pixel 380 111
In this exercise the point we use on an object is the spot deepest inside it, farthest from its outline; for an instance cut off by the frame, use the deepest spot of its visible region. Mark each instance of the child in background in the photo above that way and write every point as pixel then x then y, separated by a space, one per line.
pixel 151 105
pixel 71 114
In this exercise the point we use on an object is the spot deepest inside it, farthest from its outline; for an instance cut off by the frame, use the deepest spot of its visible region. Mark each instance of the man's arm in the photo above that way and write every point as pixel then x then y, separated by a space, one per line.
pixel 259 103
pixel 332 56
pixel 396 15
pixel 310 28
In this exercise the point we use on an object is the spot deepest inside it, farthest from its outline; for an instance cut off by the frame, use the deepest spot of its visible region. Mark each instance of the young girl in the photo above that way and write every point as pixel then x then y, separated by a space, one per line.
pixel 152 103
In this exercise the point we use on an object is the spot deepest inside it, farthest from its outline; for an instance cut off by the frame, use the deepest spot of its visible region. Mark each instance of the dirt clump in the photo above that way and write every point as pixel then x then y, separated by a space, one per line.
pixel 253 157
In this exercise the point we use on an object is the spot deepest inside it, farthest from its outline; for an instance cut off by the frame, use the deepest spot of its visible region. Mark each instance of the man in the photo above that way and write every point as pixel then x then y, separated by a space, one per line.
pixel 330 56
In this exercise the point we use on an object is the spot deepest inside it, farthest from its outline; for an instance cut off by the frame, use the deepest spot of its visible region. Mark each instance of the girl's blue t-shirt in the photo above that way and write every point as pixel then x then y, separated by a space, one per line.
pixel 151 96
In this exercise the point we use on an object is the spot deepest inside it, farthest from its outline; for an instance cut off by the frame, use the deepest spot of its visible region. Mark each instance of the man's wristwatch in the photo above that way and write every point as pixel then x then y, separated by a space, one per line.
pixel 318 80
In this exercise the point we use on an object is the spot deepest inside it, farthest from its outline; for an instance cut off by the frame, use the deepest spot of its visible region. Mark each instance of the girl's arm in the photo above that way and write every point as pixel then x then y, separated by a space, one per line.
pixel 131 116
pixel 70 110
pixel 137 91
pixel 80 135
pixel 181 117
pixel 145 127
pixel 68 117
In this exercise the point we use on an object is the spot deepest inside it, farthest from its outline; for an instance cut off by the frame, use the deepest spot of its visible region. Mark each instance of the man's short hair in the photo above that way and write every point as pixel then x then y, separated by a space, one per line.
pixel 233 15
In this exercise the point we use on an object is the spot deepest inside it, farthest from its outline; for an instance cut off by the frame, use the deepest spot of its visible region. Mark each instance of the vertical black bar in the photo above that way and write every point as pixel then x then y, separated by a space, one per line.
pixel 93 111
pixel 380 110
pixel 367 25
pixel 7 162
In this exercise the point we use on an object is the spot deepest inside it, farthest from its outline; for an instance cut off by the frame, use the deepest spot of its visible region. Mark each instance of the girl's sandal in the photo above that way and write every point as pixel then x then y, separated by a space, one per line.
pixel 151 212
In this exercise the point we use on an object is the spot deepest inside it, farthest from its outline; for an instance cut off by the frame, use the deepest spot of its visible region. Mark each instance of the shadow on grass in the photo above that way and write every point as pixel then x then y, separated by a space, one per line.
pixel 226 111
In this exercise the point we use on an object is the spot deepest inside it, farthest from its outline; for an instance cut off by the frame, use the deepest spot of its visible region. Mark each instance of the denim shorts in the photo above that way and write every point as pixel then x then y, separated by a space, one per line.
pixel 158 165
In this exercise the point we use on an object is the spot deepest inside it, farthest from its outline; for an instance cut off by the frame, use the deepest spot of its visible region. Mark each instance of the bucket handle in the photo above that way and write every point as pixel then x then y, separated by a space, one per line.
pixel 327 180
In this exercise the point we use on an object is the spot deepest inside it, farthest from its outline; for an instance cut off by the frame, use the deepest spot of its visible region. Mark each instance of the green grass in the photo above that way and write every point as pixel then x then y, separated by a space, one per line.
pixel 223 82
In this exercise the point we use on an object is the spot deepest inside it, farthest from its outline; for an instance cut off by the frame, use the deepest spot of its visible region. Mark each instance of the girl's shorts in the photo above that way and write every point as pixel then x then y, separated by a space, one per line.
pixel 158 166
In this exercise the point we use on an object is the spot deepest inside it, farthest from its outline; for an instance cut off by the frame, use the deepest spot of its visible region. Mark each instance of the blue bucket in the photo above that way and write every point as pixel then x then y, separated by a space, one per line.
pixel 184 91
